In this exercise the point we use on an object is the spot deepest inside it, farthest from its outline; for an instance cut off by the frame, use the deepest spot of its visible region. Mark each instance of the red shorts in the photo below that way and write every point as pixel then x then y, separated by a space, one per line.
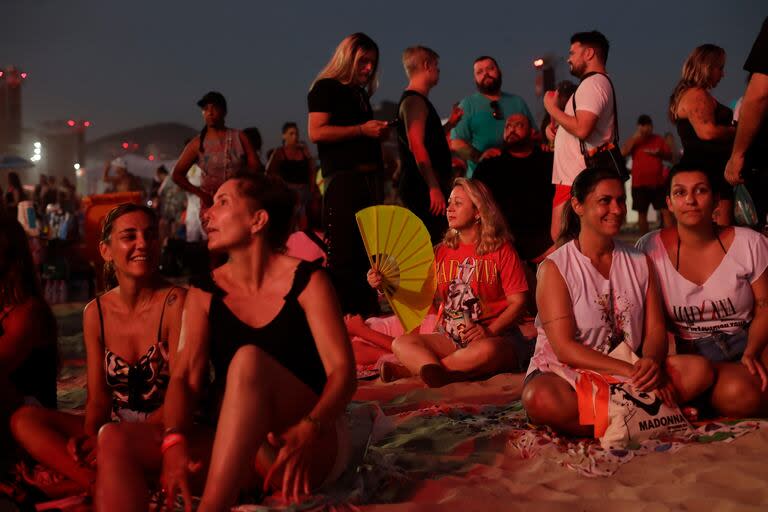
pixel 562 194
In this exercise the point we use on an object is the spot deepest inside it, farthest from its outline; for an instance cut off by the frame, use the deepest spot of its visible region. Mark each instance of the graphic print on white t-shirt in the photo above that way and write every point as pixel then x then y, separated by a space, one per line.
pixel 461 305
pixel 614 312
pixel 725 301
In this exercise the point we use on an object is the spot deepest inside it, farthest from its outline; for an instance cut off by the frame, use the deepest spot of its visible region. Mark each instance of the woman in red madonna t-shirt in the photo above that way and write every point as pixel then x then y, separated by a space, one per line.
pixel 481 293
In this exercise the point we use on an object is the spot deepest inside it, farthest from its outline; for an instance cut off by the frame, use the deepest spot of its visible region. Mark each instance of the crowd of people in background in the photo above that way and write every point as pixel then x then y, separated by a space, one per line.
pixel 532 278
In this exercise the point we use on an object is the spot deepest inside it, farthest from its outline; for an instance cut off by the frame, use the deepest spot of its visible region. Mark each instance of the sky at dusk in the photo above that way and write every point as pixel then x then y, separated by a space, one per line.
pixel 129 63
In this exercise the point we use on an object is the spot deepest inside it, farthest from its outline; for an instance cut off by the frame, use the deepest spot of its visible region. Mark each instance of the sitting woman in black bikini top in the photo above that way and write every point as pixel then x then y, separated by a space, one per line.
pixel 130 333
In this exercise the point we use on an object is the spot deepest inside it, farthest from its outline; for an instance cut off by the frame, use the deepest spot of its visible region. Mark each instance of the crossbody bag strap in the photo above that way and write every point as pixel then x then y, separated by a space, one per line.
pixel 582 144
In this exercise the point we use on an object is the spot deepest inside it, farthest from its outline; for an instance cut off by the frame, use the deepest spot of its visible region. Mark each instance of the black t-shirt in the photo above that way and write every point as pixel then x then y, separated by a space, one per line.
pixel 413 188
pixel 523 190
pixel 757 62
pixel 347 105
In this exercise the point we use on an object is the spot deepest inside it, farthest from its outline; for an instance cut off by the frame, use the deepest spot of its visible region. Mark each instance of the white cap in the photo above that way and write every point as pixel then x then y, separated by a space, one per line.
pixel 119 162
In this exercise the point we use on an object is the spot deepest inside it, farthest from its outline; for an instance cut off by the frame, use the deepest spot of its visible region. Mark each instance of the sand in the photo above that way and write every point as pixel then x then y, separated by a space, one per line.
pixel 720 476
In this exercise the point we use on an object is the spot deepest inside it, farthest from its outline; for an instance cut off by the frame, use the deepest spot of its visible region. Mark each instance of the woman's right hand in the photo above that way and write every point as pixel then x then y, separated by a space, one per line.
pixel 177 466
pixel 374 278
pixel 374 129
pixel 82 449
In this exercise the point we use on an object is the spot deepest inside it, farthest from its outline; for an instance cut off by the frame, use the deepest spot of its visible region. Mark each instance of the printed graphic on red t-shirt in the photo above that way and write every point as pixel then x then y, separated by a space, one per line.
pixel 474 288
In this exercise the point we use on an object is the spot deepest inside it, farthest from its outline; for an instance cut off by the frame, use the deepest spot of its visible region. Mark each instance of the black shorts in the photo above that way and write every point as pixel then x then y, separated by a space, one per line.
pixel 642 197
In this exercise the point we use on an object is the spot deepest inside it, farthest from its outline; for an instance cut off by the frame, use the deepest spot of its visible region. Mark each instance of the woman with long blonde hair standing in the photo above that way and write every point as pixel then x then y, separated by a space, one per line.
pixel 349 145
pixel 481 293
pixel 704 125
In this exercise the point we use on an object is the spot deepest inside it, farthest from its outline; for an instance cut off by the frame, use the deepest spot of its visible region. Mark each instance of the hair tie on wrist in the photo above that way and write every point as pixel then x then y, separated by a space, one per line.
pixel 171 440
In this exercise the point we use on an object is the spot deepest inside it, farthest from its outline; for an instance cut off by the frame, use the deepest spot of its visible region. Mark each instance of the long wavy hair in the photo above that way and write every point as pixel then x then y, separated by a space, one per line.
pixel 697 72
pixel 18 275
pixel 110 278
pixel 493 228
pixel 584 184
pixel 343 63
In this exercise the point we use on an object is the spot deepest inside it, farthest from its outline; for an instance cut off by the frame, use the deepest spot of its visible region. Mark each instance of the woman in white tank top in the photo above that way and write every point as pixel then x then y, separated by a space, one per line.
pixel 594 293
pixel 715 288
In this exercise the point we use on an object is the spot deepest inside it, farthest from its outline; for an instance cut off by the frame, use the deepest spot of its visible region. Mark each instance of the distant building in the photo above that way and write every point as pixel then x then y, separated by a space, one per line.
pixel 11 79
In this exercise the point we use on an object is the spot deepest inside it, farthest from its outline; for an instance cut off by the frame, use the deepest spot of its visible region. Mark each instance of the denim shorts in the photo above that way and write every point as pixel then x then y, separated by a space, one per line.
pixel 718 347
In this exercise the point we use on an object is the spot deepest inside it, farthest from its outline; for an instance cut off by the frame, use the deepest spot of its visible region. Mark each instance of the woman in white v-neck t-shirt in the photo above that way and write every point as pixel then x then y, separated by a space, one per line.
pixel 594 293
pixel 715 288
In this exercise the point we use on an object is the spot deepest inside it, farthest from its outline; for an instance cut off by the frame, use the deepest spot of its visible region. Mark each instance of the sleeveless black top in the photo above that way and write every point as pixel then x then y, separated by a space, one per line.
pixel 287 337
pixel 412 184
pixel 708 155
pixel 295 172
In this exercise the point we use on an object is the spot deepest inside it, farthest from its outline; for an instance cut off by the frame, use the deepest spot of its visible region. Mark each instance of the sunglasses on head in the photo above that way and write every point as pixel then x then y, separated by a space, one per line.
pixel 496 110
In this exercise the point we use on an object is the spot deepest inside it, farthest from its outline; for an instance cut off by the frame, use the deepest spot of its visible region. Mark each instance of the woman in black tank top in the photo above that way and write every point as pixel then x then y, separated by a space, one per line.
pixel 271 329
pixel 705 126
pixel 293 162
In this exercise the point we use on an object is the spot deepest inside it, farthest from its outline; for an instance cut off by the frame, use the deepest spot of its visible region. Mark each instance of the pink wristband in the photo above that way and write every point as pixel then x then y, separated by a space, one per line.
pixel 171 440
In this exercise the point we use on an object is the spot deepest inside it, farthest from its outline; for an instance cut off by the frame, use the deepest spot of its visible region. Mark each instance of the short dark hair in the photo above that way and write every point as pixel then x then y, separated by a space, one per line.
pixel 287 126
pixel 595 40
pixel 688 167
pixel 644 120
pixel 273 195
pixel 486 57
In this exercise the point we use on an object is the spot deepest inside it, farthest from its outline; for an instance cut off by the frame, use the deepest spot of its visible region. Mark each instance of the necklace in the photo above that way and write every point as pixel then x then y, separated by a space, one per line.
pixel 677 259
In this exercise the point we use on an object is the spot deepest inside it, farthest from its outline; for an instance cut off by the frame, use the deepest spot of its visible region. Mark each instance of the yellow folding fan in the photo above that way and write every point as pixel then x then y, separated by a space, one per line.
pixel 399 247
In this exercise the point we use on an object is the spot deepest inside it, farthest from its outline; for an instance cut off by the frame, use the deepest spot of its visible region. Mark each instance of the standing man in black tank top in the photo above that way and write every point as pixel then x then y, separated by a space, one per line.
pixel 424 153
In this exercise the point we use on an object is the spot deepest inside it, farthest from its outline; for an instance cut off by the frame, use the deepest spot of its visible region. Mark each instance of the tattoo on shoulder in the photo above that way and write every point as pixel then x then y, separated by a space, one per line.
pixel 554 320
pixel 172 298
pixel 761 302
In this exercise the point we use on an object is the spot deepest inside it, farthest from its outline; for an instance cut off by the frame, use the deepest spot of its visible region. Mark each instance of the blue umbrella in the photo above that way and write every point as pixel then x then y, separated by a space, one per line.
pixel 14 162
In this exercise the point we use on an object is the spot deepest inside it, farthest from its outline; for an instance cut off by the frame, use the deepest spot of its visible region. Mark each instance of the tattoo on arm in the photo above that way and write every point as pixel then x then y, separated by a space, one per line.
pixel 554 320
pixel 702 111
pixel 172 298
pixel 761 302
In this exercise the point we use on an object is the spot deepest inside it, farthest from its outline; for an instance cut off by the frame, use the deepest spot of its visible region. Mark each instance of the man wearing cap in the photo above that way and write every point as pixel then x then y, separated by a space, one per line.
pixel 220 152
pixel 123 181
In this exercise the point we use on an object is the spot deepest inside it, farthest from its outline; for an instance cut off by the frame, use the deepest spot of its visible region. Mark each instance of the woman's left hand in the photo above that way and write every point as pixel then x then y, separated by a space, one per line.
pixel 646 374
pixel 755 367
pixel 294 458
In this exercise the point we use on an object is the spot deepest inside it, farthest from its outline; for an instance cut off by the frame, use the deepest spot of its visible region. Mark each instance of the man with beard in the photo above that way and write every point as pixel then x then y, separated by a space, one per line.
pixel 482 125
pixel 520 180
pixel 425 157
pixel 592 120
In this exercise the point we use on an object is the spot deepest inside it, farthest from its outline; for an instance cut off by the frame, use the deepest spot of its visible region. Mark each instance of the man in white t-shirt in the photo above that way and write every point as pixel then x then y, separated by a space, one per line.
pixel 592 121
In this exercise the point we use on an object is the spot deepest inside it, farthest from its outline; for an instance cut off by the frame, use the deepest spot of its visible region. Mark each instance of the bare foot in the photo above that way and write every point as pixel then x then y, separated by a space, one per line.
pixel 392 371
pixel 435 376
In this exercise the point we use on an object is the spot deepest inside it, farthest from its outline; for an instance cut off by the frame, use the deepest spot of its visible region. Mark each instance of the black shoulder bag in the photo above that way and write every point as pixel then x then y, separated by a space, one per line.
pixel 608 155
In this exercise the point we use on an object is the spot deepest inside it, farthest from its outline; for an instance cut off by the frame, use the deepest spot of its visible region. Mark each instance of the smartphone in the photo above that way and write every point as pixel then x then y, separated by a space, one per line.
pixel 393 122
